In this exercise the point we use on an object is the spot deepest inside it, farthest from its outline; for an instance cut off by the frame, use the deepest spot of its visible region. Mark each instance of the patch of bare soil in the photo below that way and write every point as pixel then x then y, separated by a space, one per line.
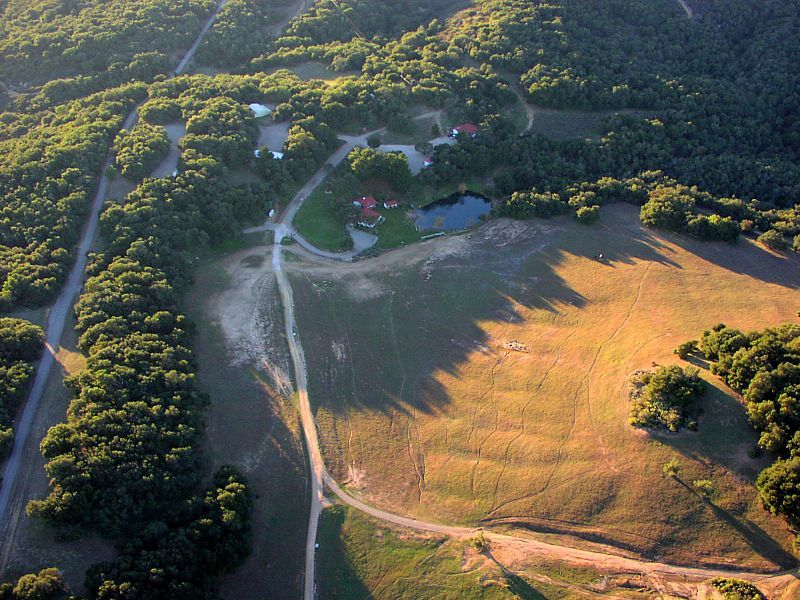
pixel 240 311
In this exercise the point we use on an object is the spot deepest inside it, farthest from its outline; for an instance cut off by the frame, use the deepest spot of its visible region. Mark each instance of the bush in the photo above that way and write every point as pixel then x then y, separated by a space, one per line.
pixel 773 240
pixel 47 584
pixel 736 589
pixel 665 398
pixel 374 141
pixel 588 214
pixel 667 208
pixel 686 349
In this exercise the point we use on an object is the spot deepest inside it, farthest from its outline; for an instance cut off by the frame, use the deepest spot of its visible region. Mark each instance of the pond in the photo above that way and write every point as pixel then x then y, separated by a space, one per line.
pixel 455 212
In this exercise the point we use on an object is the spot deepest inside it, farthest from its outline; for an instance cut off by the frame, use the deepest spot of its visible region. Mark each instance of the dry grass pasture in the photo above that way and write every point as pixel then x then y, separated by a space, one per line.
pixel 484 380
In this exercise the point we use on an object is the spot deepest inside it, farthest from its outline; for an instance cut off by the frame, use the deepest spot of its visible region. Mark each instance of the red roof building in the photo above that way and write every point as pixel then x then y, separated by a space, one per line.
pixel 428 161
pixel 465 128
pixel 366 202
pixel 391 204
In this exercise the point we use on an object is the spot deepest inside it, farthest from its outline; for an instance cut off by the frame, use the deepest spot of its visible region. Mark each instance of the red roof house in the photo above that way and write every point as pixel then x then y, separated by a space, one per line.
pixel 366 202
pixel 465 128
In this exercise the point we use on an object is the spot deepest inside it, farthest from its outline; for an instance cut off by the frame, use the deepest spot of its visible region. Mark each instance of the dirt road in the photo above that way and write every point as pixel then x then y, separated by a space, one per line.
pixel 55 328
pixel 686 8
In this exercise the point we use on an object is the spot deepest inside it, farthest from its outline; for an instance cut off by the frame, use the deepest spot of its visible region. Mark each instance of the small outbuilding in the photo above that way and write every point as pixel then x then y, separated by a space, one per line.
pixel 276 155
pixel 427 161
pixel 260 111
pixel 391 204
pixel 370 218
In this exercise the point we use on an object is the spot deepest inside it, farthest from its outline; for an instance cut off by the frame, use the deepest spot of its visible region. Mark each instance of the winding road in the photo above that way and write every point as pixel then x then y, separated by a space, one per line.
pixel 56 320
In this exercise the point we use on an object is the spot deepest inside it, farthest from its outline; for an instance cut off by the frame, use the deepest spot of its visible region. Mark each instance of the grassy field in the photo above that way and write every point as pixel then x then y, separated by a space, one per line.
pixel 316 70
pixel 251 420
pixel 489 384
pixel 572 124
pixel 318 222
pixel 360 559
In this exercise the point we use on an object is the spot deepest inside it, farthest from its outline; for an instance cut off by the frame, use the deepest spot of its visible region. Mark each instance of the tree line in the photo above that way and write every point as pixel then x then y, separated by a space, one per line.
pixel 21 344
pixel 764 366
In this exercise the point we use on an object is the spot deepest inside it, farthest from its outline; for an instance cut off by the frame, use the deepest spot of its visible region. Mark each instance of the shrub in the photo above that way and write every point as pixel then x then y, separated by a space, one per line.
pixel 665 398
pixel 705 487
pixel 374 141
pixel 671 468
pixel 588 214
pixel 736 589
pixel 773 240
pixel 686 349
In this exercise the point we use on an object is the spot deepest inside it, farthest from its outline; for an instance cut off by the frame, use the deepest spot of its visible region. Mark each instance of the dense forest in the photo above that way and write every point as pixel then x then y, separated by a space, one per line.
pixel 42 40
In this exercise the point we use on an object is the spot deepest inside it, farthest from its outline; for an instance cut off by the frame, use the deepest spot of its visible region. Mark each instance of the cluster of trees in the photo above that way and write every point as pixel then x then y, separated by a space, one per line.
pixel 47 584
pixel 140 150
pixel 126 462
pixel 49 39
pixel 765 367
pixel 180 557
pixel 736 589
pixel 664 399
pixel 21 345
pixel 49 163
pixel 366 164
pixel 342 20
pixel 664 203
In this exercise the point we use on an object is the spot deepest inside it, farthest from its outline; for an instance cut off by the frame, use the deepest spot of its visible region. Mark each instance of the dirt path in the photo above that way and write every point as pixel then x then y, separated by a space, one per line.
pixel 529 110
pixel 55 328
pixel 686 8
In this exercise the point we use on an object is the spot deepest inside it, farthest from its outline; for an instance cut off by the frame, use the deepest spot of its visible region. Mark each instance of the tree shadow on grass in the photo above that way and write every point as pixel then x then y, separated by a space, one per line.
pixel 516 584
pixel 374 342
pixel 337 579
pixel 759 540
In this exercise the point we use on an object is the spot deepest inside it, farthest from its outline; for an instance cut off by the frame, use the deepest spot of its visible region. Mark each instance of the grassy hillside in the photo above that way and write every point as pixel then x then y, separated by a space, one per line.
pixel 491 384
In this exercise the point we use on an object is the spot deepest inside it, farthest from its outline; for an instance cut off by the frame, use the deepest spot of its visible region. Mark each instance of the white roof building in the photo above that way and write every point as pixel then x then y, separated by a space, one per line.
pixel 260 111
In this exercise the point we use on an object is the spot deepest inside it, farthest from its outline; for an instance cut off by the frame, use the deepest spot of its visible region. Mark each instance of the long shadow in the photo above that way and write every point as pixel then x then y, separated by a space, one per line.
pixel 516 584
pixel 375 344
pixel 337 578
pixel 746 258
pixel 756 538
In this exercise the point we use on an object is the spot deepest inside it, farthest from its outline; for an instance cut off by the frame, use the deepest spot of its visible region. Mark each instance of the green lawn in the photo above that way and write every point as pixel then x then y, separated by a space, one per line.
pixel 359 559
pixel 318 222
pixel 396 231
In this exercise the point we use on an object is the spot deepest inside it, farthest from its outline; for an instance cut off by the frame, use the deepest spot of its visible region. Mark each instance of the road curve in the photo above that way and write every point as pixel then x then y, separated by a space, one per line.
pixel 57 315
